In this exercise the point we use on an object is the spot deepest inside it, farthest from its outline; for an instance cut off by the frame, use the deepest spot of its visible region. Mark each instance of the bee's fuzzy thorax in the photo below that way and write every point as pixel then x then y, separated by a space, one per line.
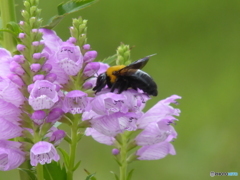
pixel 112 69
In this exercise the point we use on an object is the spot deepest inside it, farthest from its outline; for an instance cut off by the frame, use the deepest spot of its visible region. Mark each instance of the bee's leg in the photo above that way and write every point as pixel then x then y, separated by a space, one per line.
pixel 123 87
pixel 114 86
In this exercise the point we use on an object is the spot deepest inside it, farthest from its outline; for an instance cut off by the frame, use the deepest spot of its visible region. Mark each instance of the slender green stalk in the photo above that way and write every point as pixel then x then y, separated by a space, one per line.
pixel 73 147
pixel 123 160
pixel 24 175
pixel 7 8
pixel 40 172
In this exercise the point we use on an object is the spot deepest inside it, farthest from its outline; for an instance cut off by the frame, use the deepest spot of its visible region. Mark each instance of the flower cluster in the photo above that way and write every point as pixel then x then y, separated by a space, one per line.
pixel 112 114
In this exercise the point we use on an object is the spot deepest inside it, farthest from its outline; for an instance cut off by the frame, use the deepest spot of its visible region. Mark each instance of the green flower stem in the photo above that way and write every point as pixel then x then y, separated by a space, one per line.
pixel 123 157
pixel 7 8
pixel 73 147
pixel 40 172
pixel 24 175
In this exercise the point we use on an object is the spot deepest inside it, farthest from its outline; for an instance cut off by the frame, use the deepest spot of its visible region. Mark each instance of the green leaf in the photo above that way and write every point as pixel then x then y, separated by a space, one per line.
pixel 73 6
pixel 13 26
pixel 53 22
pixel 30 173
pixel 68 8
pixel 115 175
pixel 90 177
pixel 111 60
pixel 130 174
pixel 65 156
pixel 77 165
pixel 54 171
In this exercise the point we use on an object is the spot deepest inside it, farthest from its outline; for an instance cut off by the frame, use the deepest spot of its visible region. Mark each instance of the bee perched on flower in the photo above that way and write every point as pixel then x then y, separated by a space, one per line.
pixel 122 77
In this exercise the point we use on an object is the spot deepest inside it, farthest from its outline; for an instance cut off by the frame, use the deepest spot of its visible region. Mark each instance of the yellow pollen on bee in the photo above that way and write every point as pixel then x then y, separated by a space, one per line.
pixel 111 70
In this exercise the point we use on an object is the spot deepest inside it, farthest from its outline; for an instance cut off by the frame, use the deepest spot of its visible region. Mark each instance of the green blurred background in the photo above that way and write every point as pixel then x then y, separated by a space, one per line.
pixel 198 58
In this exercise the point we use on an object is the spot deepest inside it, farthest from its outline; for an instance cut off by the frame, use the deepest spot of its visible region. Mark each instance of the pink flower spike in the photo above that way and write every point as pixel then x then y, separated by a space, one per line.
pixel 76 102
pixel 43 95
pixel 11 157
pixel 43 152
pixel 155 151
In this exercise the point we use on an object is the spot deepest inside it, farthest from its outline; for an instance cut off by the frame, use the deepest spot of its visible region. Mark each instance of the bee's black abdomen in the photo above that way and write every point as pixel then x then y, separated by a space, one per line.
pixel 143 81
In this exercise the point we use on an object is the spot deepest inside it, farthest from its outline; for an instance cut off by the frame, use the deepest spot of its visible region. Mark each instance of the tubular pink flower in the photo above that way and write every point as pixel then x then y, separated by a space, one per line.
pixel 161 110
pixel 156 133
pixel 9 92
pixel 57 136
pixel 43 95
pixel 11 157
pixel 91 69
pixel 155 151
pixel 9 112
pixel 69 58
pixel 9 130
pixel 43 152
pixel 76 102
pixel 99 137
pixel 16 79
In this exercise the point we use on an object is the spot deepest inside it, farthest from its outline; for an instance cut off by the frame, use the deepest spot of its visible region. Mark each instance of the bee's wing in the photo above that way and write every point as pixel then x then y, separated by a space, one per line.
pixel 133 67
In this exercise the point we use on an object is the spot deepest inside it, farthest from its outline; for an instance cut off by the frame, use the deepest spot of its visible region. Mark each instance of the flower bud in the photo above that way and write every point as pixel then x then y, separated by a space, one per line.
pixel 51 77
pixel 38 117
pixel 21 47
pixel 35 67
pixel 37 56
pixel 54 115
pixel 72 40
pixel 19 59
pixel 16 79
pixel 86 47
pixel 21 35
pixel 89 56
pixel 47 67
pixel 38 77
pixel 115 151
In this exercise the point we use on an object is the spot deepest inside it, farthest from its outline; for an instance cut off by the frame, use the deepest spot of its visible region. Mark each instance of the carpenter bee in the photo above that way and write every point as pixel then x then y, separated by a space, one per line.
pixel 123 77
